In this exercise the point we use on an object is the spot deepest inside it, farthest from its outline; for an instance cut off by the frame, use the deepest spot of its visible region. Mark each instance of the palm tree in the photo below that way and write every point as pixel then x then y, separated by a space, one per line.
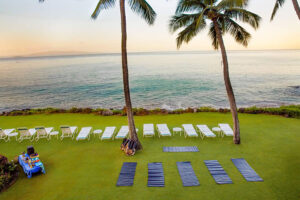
pixel 279 3
pixel 193 15
pixel 142 8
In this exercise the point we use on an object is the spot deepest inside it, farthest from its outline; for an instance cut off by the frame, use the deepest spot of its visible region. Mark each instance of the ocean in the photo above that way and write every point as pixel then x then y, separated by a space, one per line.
pixel 169 80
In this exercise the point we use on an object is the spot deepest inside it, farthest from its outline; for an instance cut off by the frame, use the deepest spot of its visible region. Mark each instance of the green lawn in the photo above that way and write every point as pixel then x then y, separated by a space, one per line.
pixel 89 169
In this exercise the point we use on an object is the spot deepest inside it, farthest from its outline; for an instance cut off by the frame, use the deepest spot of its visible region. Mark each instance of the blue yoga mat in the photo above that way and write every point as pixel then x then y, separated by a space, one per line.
pixel 217 172
pixel 181 149
pixel 127 173
pixel 187 174
pixel 246 170
pixel 156 176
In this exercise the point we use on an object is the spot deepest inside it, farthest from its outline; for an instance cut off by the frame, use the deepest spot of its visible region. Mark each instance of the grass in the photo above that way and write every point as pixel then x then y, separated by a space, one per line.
pixel 89 169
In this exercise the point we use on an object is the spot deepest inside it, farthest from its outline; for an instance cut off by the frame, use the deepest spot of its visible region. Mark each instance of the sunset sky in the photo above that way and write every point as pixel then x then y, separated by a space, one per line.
pixel 29 27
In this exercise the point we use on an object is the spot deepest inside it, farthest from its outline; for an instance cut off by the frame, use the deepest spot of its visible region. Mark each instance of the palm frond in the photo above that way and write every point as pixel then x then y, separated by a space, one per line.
pixel 190 6
pixel 102 4
pixel 181 20
pixel 213 35
pixel 189 32
pixel 209 2
pixel 142 8
pixel 244 16
pixel 232 3
pixel 278 4
pixel 238 32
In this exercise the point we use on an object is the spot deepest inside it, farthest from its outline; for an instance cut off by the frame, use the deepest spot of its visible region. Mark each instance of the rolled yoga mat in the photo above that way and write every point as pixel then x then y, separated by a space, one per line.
pixel 217 172
pixel 246 170
pixel 156 176
pixel 187 174
pixel 181 149
pixel 127 173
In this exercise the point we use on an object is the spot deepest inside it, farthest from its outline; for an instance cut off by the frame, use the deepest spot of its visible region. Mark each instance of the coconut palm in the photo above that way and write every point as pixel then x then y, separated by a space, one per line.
pixel 193 16
pixel 279 3
pixel 142 8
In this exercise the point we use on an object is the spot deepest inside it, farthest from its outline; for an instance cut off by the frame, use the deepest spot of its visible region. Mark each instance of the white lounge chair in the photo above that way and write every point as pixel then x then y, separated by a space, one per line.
pixel 148 130
pixel 108 133
pixel 123 132
pixel 42 132
pixel 226 129
pixel 84 133
pixel 189 130
pixel 4 134
pixel 68 131
pixel 205 131
pixel 163 130
pixel 26 134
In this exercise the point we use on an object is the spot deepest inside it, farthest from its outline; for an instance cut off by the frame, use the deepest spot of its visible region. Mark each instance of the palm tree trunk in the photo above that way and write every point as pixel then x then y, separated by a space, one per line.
pixel 296 6
pixel 230 94
pixel 131 124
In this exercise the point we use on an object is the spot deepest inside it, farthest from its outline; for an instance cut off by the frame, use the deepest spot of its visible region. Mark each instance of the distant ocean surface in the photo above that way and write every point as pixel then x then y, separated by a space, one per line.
pixel 167 80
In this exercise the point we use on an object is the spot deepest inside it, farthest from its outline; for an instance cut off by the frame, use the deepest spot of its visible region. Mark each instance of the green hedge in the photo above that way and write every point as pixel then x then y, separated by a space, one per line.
pixel 286 111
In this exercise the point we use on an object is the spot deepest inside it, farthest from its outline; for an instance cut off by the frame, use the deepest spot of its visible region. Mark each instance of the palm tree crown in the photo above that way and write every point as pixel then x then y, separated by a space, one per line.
pixel 279 3
pixel 140 7
pixel 192 15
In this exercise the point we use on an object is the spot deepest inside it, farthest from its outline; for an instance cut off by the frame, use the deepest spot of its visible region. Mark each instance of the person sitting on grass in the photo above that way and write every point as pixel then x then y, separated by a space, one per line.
pixel 32 158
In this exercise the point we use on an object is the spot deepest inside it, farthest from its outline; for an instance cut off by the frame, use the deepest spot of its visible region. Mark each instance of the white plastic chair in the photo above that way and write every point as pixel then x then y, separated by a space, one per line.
pixel 205 131
pixel 84 133
pixel 148 130
pixel 108 133
pixel 189 130
pixel 123 132
pixel 163 130
pixel 68 131
pixel 42 132
pixel 226 129
pixel 4 134
pixel 26 134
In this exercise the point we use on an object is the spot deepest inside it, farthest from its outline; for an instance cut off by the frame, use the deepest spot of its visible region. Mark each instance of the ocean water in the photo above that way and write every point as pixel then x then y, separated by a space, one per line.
pixel 168 80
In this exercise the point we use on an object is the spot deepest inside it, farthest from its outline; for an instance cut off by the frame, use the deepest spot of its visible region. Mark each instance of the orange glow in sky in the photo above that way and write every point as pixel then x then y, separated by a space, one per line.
pixel 29 27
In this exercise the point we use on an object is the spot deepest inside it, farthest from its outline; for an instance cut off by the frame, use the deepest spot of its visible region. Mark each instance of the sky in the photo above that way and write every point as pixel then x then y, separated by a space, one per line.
pixel 29 27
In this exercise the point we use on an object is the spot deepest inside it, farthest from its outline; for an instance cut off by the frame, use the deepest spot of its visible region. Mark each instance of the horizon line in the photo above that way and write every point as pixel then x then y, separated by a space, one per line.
pixel 90 54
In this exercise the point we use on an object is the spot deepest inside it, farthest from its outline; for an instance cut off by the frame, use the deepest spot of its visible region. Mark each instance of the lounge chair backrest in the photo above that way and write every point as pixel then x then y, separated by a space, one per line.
pixel 24 132
pixel 86 129
pixel 204 129
pixel 66 130
pixel 148 127
pixel 163 127
pixel 124 130
pixel 41 131
pixel 189 128
pixel 225 126
pixel 226 129
pixel 84 133
pixel 109 131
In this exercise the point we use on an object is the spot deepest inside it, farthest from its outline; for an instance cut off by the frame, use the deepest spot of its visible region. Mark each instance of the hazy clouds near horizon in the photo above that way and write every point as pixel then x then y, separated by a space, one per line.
pixel 28 27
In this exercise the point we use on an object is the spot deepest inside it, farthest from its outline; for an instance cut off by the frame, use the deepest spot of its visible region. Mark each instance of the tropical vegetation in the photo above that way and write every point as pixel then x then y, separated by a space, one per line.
pixel 279 3
pixel 142 8
pixel 290 111
pixel 193 15
pixel 8 173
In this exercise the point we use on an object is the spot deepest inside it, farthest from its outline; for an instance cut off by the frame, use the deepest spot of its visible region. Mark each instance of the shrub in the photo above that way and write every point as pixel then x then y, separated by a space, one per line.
pixel 8 172
pixel 286 111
